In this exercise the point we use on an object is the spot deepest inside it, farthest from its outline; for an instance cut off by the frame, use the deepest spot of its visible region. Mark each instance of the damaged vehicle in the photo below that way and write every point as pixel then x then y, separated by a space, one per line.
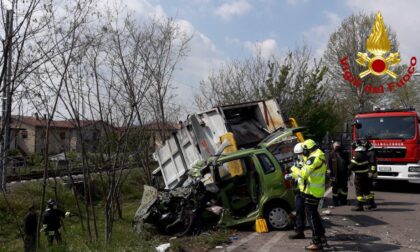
pixel 172 212
pixel 258 190
pixel 240 186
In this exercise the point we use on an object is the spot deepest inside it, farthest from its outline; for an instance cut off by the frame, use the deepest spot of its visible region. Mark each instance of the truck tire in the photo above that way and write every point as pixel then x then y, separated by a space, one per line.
pixel 277 217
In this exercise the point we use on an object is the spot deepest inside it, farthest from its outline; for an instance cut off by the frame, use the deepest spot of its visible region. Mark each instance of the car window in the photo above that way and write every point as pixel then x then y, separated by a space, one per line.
pixel 237 167
pixel 266 164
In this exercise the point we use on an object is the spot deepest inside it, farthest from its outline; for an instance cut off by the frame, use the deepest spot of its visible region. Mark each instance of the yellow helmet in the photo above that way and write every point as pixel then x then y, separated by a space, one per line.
pixel 308 144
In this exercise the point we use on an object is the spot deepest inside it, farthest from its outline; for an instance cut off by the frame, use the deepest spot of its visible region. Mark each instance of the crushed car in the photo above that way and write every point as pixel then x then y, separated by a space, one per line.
pixel 238 187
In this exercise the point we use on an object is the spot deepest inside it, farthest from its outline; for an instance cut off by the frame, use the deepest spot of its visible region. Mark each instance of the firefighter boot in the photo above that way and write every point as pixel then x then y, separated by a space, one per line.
pixel 343 199
pixel 336 201
pixel 371 204
pixel 359 207
pixel 314 247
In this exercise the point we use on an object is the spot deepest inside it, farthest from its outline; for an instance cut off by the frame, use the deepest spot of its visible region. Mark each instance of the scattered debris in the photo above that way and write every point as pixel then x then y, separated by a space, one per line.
pixel 326 212
pixel 217 210
pixel 172 238
pixel 331 207
pixel 219 247
pixel 233 238
pixel 163 247
pixel 325 218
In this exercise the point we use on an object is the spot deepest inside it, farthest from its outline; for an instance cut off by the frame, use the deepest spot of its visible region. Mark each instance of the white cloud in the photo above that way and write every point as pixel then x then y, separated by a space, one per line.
pixel 196 66
pixel 199 2
pixel 318 36
pixel 144 9
pixel 294 2
pixel 402 16
pixel 265 48
pixel 236 8
pixel 203 55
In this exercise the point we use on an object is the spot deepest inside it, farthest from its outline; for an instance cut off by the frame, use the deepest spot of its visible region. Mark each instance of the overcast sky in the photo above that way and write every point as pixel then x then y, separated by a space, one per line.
pixel 233 29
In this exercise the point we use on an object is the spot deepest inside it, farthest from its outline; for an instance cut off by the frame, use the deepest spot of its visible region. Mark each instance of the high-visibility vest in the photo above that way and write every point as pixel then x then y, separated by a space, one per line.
pixel 313 174
pixel 296 175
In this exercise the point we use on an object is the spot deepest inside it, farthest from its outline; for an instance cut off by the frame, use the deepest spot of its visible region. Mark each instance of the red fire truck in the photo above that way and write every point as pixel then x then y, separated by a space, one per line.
pixel 395 137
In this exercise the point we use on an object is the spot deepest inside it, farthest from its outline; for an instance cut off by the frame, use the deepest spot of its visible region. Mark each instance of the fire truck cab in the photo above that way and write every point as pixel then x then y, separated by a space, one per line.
pixel 395 137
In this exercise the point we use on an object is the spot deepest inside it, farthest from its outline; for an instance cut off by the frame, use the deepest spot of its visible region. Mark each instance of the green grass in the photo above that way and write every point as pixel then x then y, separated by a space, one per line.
pixel 22 195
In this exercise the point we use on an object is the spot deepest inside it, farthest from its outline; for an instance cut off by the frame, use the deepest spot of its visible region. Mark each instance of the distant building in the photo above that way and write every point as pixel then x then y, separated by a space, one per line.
pixel 28 135
pixel 156 132
pixel 159 132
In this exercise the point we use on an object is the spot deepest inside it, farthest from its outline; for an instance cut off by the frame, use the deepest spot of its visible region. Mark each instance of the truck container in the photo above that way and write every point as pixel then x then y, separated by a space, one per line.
pixel 202 133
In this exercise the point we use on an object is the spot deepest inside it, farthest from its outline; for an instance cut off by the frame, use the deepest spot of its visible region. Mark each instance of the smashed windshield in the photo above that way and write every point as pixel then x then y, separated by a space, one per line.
pixel 397 127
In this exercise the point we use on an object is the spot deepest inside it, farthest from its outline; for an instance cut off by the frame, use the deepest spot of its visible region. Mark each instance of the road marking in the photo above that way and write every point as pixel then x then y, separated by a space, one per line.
pixel 273 241
pixel 241 241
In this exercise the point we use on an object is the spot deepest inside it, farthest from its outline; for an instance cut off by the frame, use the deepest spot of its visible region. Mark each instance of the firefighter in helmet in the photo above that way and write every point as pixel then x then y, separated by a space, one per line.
pixel 313 175
pixel 300 219
pixel 339 173
pixel 52 221
pixel 360 166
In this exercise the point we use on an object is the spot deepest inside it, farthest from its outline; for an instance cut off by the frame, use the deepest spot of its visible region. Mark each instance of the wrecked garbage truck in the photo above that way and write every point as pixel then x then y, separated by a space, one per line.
pixel 245 125
pixel 257 191
pixel 229 161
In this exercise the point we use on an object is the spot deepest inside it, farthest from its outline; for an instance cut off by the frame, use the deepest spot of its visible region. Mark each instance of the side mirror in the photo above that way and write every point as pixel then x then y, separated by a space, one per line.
pixel 357 124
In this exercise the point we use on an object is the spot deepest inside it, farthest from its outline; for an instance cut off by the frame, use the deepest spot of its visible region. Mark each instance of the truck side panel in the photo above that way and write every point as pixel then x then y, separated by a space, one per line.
pixel 176 156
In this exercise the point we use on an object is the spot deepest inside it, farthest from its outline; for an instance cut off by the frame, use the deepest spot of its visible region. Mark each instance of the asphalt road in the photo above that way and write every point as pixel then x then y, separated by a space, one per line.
pixel 394 226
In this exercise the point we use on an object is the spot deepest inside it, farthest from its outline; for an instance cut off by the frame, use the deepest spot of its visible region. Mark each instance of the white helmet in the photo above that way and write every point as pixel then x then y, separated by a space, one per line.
pixel 360 149
pixel 298 149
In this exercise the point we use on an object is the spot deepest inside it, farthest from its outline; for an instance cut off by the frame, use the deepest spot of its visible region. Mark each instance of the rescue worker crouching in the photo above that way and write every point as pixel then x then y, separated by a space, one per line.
pixel 300 219
pixel 339 173
pixel 52 221
pixel 313 175
pixel 361 167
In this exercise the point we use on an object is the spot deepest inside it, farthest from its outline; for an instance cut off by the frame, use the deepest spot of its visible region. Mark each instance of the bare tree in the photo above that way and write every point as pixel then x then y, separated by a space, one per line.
pixel 49 80
pixel 236 81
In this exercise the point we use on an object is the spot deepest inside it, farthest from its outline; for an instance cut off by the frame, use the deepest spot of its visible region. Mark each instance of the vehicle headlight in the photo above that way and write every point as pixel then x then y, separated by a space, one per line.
pixel 414 169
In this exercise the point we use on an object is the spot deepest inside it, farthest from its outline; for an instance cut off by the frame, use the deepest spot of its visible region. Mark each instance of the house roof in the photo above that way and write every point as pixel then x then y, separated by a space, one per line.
pixel 162 126
pixel 154 126
pixel 17 121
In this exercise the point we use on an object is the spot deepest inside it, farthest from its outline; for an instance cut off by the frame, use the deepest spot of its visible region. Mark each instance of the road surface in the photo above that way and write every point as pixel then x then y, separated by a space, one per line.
pixel 394 226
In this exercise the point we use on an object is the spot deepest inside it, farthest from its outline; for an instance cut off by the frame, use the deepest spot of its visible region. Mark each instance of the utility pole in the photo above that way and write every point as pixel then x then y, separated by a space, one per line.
pixel 6 99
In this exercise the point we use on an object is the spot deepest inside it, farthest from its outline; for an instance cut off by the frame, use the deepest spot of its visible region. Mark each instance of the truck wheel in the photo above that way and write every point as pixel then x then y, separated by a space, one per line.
pixel 277 217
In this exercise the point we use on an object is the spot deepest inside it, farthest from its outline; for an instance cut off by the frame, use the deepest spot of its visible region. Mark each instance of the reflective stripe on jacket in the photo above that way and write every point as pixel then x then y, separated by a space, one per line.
pixel 313 174
pixel 360 163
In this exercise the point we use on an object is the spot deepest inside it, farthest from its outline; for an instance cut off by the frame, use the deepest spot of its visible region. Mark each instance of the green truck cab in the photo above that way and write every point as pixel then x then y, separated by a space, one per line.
pixel 260 191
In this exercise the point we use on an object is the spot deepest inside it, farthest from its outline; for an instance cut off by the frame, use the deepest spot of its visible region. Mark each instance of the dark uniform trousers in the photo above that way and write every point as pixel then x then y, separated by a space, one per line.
pixel 314 218
pixel 300 211
pixel 363 185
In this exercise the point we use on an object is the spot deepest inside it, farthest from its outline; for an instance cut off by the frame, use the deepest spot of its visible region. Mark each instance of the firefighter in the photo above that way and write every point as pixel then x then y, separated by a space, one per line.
pixel 373 173
pixel 30 224
pixel 313 175
pixel 360 166
pixel 52 221
pixel 339 173
pixel 300 219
